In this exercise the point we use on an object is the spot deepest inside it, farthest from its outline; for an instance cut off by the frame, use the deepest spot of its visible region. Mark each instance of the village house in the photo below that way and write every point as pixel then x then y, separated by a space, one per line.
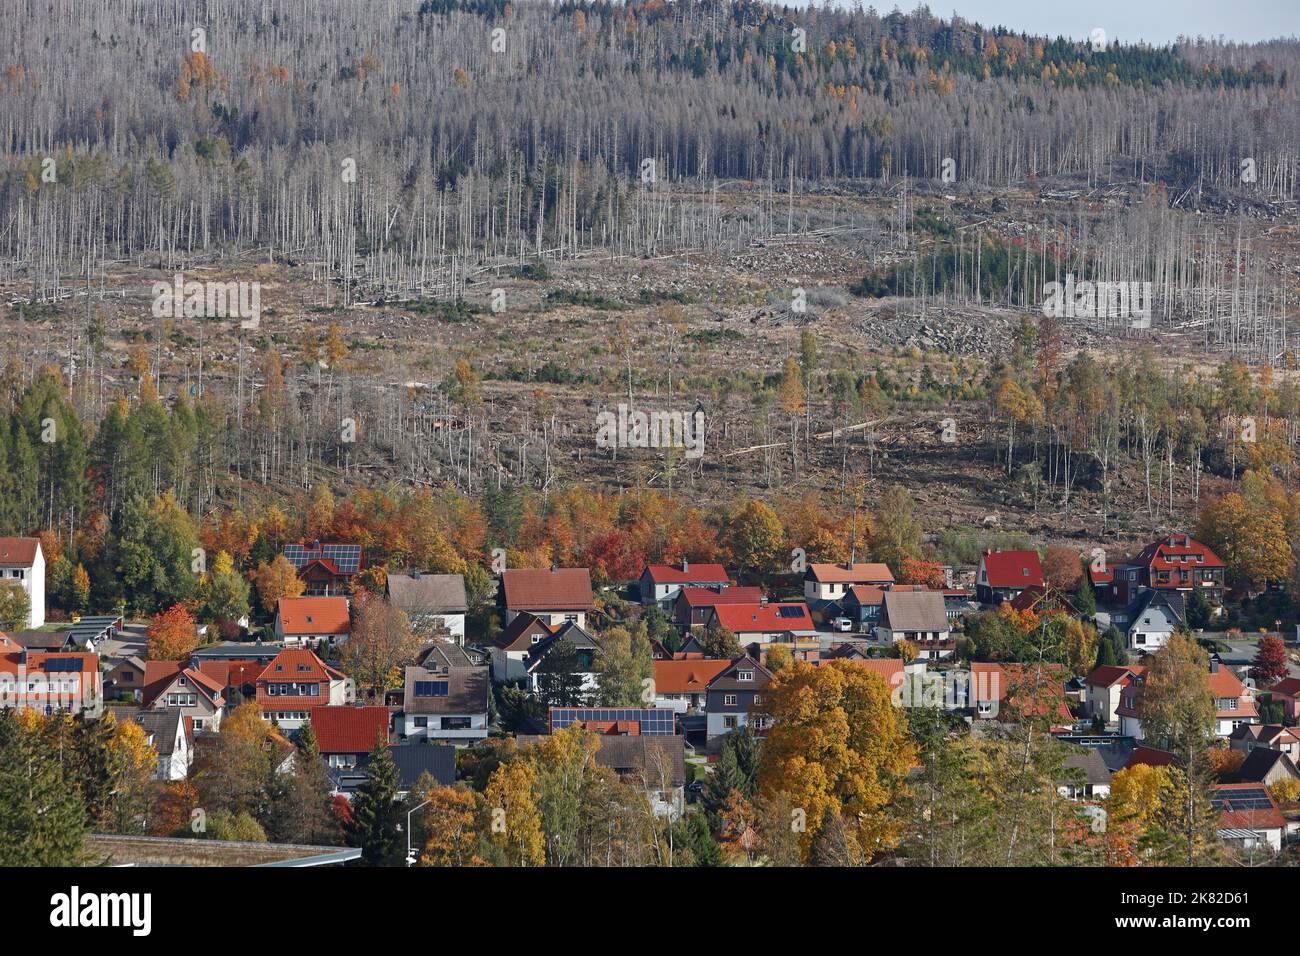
pixel 763 622
pixel 1267 767
pixel 435 604
pixel 1009 692
pixel 512 646
pixel 1004 574
pixel 554 597
pixel 735 699
pixel 693 605
pixel 181 684
pixel 1234 701
pixel 125 679
pixel 1234 704
pixel 1249 818
pixel 325 569
pixel 297 682
pixel 682 686
pixel 312 621
pixel 919 617
pixel 1180 563
pixel 585 647
pixel 1287 691
pixel 662 583
pixel 449 705
pixel 345 734
pixel 1153 619
pixel 654 765
pixel 170 735
pixel 1251 737
pixel 830 582
pixel 861 604
pixel 49 683
pixel 1088 777
pixel 22 564
pixel 1104 686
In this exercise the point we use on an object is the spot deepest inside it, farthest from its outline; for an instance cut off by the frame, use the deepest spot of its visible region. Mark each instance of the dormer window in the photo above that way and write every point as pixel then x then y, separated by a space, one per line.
pixel 744 675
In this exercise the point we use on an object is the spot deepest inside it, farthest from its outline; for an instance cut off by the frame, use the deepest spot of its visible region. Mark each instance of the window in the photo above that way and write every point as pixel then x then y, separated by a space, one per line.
pixel 729 722
pixel 431 688
pixel 455 723
pixel 422 721
pixel 729 700
pixel 758 699
pixel 537 638
pixel 571 618
pixel 744 675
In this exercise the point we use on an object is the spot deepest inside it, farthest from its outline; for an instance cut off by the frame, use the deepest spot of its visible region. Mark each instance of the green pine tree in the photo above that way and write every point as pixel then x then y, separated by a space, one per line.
pixel 375 822
pixel 42 816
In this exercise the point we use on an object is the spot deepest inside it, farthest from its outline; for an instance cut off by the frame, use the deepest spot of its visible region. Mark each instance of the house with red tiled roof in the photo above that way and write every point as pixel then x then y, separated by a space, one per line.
pixel 735 700
pixel 345 734
pixel 763 622
pixel 312 621
pixel 295 683
pixel 1249 817
pixel 50 682
pixel 1004 574
pixel 830 582
pixel 1181 563
pixel 1234 704
pixel 326 568
pixel 200 697
pixel 693 605
pixel 1287 691
pixel 512 646
pixel 22 565
pixel 554 596
pixel 682 686
pixel 1234 701
pixel 1010 691
pixel 662 583
pixel 1251 737
pixel 1149 757
pixel 1104 685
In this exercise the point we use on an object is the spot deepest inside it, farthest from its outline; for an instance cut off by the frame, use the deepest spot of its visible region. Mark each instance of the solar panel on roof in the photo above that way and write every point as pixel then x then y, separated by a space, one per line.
pixel 346 557
pixel 62 665
pixel 791 611
pixel 1252 799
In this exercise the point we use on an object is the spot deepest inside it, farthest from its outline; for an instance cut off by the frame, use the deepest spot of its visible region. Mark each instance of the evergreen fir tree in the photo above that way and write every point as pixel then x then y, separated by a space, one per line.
pixel 43 819
pixel 375 813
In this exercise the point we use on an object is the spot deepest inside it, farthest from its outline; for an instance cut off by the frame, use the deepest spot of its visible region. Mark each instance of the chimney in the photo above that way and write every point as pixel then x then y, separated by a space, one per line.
pixel 415 575
pixel 686 565
pixel 848 565
pixel 315 545
pixel 1214 667
pixel 554 568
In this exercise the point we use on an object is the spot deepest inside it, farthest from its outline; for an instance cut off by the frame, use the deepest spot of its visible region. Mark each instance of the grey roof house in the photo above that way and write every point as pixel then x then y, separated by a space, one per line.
pixel 448 704
pixel 433 602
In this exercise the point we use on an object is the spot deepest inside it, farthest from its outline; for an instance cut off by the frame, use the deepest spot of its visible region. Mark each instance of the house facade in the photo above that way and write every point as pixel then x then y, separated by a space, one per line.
pixel 735 699
pixel 512 646
pixel 326 569
pixel 919 617
pixel 170 735
pixel 180 685
pixel 22 564
pixel 764 622
pixel 312 621
pixel 1153 619
pixel 346 734
pixel 662 583
pixel 435 603
pixel 1004 574
pixel 555 597
pixel 830 582
pixel 693 605
pixel 683 686
pixel 446 705
pixel 295 683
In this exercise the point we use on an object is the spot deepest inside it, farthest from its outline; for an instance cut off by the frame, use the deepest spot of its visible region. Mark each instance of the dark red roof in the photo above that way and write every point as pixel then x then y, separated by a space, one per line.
pixel 349 730
pixel 561 589
pixel 1159 555
pixel 1012 569
pixel 19 551
pixel 1149 756
pixel 668 574
pixel 709 597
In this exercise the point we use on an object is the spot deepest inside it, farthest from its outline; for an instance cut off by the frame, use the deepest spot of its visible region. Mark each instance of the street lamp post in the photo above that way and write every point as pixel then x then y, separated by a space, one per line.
pixel 410 853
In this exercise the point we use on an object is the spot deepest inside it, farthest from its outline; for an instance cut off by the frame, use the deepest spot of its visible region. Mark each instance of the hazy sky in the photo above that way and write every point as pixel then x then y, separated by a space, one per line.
pixel 1153 21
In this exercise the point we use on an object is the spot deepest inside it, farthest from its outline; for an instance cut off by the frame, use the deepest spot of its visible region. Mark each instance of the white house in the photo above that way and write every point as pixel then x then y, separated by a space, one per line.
pixel 830 582
pixel 22 563
pixel 432 602
pixel 1153 618
pixel 170 736
pixel 662 583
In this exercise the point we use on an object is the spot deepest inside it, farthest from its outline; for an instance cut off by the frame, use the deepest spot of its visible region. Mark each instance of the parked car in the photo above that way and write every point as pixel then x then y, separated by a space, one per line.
pixel 842 624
